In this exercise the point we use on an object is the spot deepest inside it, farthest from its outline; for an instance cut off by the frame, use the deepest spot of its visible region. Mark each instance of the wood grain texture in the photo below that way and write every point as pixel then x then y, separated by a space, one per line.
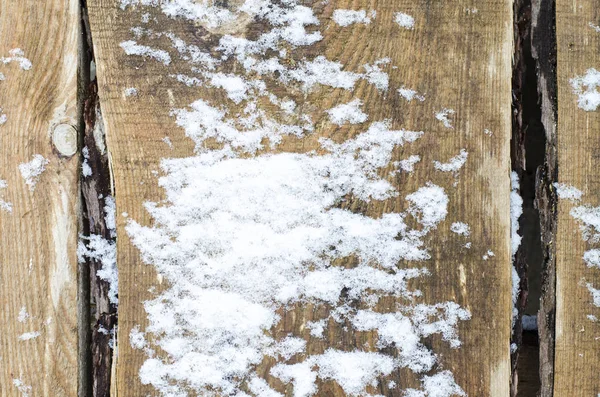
pixel 459 58
pixel 38 239
pixel 577 357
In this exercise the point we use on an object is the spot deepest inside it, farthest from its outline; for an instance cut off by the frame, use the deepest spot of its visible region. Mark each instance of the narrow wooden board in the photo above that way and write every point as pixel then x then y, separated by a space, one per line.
pixel 577 357
pixel 38 238
pixel 458 55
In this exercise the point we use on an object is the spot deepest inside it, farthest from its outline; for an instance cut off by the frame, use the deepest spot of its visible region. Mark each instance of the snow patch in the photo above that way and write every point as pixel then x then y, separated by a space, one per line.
pixel 568 192
pixel 586 88
pixel 349 17
pixel 348 113
pixel 454 164
pixel 404 20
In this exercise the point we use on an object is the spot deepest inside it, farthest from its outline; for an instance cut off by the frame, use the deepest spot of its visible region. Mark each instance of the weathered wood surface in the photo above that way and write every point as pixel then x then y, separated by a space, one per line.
pixel 38 237
pixel 458 56
pixel 577 359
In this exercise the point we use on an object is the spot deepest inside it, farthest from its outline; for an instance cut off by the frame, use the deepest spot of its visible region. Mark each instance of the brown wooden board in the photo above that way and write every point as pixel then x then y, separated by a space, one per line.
pixel 38 222
pixel 458 56
pixel 577 359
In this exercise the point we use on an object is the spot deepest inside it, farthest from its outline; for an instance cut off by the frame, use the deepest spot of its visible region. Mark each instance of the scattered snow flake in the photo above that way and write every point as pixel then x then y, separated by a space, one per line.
pixel 2 76
pixel 513 348
pixel 32 170
pixel 568 192
pixel 317 327
pixel 23 315
pixel 595 27
pixel 404 20
pixel 3 117
pixel 516 210
pixel 235 86
pixel 586 88
pixel 488 255
pixel 488 132
pixel 468 245
pixel 460 228
pixel 104 251
pixel 324 72
pixel 136 338
pixel 408 165
pixel 110 215
pixel 454 164
pixel 592 257
pixel 167 140
pixel 376 76
pixel 22 387
pixel 86 170
pixel 130 91
pixel 592 318
pixel 595 294
pixel 348 17
pixel 442 116
pixel 17 55
pixel 409 94
pixel 429 205
pixel 4 206
pixel 348 113
pixel 589 218
pixel 131 47
pixel 29 335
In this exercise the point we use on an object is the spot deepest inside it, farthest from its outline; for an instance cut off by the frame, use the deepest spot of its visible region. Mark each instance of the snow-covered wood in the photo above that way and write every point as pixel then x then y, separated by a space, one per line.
pixel 577 354
pixel 39 197
pixel 302 145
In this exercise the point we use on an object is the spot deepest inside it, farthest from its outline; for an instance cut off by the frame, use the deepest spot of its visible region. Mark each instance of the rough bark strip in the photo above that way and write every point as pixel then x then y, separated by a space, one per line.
pixel 95 190
pixel 577 347
pixel 38 239
pixel 543 43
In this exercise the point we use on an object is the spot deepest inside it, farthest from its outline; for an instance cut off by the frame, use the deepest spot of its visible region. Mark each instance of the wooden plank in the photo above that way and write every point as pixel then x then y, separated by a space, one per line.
pixel 38 233
pixel 577 359
pixel 458 55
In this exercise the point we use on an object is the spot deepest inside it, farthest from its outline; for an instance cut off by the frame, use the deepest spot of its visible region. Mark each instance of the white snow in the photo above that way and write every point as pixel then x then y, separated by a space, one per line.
pixel 131 47
pixel 23 315
pixel 589 218
pixel 592 258
pixel 488 255
pixel 29 335
pixel 454 164
pixel 404 20
pixel 86 170
pixel 516 210
pixel 586 88
pixel 347 113
pixel 348 17
pixel 460 228
pixel 4 206
pixel 595 27
pixel 442 116
pixel 568 192
pixel 595 294
pixel 104 251
pixel 409 94
pixel 130 91
pixel 17 55
pixel 32 170
pixel 408 165
pixel 244 232
pixel 22 387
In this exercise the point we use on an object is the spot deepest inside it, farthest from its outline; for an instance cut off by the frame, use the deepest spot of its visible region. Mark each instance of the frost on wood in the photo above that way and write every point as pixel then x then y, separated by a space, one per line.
pixel 586 89
pixel 247 232
pixel 32 170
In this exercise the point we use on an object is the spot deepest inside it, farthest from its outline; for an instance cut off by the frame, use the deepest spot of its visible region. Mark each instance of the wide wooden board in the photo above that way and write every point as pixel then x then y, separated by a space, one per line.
pixel 458 55
pixel 38 237
pixel 577 357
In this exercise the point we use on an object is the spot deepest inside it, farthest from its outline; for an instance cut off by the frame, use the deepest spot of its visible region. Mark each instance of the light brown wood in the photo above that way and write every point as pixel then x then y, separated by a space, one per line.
pixel 458 56
pixel 38 238
pixel 577 359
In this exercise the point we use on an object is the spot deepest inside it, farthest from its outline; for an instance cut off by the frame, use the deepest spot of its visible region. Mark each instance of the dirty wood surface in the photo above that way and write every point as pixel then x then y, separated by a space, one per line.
pixel 38 226
pixel 577 360
pixel 458 55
